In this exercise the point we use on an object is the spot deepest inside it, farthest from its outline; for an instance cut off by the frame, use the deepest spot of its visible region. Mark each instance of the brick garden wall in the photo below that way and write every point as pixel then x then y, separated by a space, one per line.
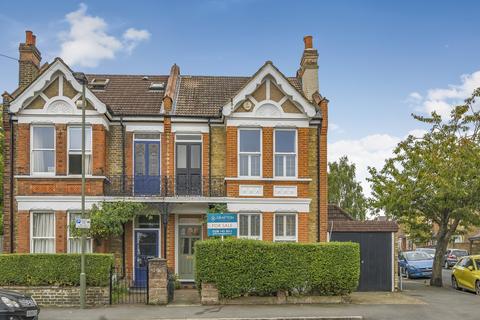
pixel 53 296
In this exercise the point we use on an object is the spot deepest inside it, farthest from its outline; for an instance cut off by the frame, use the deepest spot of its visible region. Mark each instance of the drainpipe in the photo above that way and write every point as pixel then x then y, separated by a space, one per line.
pixel 124 264
pixel 319 128
pixel 209 158
pixel 12 146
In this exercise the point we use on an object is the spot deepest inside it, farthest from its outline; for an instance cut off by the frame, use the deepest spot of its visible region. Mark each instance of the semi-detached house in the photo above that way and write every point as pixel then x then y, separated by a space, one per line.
pixel 178 142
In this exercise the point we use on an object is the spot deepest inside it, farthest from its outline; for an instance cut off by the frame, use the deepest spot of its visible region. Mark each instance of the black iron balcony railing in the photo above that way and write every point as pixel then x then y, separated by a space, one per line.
pixel 165 186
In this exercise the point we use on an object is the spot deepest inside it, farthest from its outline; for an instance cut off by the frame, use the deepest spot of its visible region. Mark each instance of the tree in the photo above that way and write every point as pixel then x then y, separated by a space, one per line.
pixel 434 180
pixel 344 190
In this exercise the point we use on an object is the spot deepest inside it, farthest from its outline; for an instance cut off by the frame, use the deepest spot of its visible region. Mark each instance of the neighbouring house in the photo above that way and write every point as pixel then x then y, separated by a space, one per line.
pixel 378 247
pixel 256 143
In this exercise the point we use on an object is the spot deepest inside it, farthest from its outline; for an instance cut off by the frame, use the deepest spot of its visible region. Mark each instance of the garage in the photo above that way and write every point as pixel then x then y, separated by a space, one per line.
pixel 377 253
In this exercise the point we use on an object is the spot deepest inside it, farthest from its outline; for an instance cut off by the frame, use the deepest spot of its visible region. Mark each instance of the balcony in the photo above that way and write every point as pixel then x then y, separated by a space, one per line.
pixel 164 186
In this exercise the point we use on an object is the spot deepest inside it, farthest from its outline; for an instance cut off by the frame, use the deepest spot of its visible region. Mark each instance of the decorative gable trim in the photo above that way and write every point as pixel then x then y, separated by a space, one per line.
pixel 49 75
pixel 268 69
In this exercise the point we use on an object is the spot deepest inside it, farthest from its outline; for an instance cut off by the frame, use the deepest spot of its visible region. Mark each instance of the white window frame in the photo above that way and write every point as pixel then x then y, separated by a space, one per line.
pixel 284 154
pixel 249 236
pixel 40 173
pixel 239 153
pixel 87 152
pixel 285 238
pixel 54 230
pixel 70 237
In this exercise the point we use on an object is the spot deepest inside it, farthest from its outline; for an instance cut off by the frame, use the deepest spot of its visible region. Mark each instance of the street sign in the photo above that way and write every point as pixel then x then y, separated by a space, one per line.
pixel 82 223
pixel 222 224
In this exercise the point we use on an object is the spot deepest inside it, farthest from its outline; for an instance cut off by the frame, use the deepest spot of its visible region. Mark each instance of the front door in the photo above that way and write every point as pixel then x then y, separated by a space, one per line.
pixel 147 167
pixel 188 169
pixel 146 247
pixel 188 234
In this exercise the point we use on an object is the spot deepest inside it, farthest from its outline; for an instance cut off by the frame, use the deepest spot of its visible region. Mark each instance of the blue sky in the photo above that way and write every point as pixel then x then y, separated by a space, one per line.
pixel 379 60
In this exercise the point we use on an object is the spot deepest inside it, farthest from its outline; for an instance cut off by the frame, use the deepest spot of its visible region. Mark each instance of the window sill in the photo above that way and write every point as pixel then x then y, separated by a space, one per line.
pixel 293 179
pixel 36 176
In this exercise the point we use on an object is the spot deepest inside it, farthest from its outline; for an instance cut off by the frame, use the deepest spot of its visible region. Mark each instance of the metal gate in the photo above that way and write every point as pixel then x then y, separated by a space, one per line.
pixel 376 272
pixel 125 289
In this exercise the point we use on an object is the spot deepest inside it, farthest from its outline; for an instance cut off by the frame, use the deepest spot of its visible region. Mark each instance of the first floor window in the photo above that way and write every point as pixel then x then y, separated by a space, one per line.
pixel 75 243
pixel 285 227
pixel 75 150
pixel 249 226
pixel 249 152
pixel 43 149
pixel 43 232
pixel 285 153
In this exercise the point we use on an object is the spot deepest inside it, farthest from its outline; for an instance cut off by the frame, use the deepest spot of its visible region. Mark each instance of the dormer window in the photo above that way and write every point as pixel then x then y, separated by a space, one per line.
pixel 157 86
pixel 98 84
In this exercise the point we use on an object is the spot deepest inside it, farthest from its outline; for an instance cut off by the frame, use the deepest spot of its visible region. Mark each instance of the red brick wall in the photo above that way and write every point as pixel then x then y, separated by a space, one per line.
pixel 302 153
pixel 22 149
pixel 61 152
pixel 129 248
pixel 267 226
pixel 23 232
pixel 323 183
pixel 99 147
pixel 267 152
pixel 171 242
pixel 302 227
pixel 94 187
pixel 129 154
pixel 61 231
pixel 231 152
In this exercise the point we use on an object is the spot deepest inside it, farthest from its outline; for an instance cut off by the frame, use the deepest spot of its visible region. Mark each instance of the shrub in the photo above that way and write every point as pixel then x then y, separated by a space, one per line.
pixel 240 267
pixel 53 269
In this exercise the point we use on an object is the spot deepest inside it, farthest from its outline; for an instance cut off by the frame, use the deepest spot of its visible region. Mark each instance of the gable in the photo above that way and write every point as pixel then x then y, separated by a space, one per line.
pixel 269 94
pixel 55 92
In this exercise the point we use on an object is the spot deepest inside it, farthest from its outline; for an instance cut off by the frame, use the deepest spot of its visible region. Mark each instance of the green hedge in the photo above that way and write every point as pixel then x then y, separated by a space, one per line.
pixel 249 267
pixel 53 269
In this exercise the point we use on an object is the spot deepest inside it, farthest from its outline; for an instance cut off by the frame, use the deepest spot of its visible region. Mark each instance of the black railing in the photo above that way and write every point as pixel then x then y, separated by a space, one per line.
pixel 165 186
pixel 127 288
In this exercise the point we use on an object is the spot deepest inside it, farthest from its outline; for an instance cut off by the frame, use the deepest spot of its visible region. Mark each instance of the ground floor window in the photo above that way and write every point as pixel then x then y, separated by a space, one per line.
pixel 43 232
pixel 249 226
pixel 75 243
pixel 285 227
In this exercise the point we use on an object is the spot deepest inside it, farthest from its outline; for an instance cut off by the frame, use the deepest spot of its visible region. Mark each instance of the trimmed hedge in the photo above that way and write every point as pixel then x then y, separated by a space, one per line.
pixel 249 267
pixel 53 269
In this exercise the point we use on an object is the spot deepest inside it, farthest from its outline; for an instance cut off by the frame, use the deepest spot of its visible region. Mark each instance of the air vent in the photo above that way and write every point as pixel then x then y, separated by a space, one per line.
pixel 98 84
pixel 157 86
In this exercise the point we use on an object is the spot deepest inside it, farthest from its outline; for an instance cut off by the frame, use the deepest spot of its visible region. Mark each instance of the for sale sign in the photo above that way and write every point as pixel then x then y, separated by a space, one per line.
pixel 222 224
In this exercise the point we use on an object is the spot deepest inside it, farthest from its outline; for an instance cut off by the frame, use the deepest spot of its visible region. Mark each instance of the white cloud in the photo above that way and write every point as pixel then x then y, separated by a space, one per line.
pixel 132 37
pixel 87 42
pixel 371 150
pixel 441 100
pixel 335 127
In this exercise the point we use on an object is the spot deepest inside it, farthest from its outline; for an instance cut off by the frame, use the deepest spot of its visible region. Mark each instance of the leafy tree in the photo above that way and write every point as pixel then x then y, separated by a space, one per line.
pixel 109 218
pixel 434 180
pixel 344 190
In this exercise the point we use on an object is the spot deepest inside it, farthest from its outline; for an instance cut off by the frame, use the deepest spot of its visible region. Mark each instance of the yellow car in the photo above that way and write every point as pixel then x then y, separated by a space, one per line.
pixel 466 274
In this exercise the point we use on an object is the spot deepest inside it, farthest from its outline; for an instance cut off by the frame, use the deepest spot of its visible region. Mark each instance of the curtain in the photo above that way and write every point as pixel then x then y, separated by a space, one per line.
pixel 43 233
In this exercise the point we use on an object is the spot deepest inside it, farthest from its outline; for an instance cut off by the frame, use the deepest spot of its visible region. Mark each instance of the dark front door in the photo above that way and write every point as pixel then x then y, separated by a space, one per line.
pixel 188 169
pixel 147 167
pixel 146 247
pixel 375 258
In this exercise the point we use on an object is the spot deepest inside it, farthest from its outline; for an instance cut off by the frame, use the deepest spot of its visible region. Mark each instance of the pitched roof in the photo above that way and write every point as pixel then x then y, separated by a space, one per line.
pixel 206 95
pixel 340 221
pixel 130 94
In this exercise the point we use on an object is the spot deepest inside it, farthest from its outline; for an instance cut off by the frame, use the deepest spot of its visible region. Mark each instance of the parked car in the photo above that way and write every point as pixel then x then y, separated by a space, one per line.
pixel 430 251
pixel 17 306
pixel 415 264
pixel 452 256
pixel 466 274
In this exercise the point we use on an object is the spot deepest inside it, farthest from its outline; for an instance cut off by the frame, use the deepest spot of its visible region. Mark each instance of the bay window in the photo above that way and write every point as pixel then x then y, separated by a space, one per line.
pixel 43 150
pixel 75 150
pixel 285 153
pixel 285 227
pixel 249 226
pixel 250 152
pixel 43 232
pixel 75 243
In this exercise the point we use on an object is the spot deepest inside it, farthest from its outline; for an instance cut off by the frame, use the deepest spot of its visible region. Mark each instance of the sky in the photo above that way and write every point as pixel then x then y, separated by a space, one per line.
pixel 379 61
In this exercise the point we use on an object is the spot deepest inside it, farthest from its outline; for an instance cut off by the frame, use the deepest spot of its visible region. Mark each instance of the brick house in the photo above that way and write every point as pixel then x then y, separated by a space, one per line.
pixel 180 143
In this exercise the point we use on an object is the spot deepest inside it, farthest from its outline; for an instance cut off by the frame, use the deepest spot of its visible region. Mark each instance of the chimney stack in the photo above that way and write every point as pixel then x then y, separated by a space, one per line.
pixel 308 71
pixel 29 60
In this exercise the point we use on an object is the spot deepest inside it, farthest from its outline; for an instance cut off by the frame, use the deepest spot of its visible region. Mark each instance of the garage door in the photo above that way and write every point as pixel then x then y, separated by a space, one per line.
pixel 375 258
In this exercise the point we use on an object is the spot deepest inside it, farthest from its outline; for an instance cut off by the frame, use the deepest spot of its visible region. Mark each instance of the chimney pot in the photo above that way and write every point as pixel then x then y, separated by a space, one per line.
pixel 29 37
pixel 308 40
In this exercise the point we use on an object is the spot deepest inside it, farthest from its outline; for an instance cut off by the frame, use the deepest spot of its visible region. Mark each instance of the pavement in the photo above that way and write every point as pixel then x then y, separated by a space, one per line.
pixel 418 301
